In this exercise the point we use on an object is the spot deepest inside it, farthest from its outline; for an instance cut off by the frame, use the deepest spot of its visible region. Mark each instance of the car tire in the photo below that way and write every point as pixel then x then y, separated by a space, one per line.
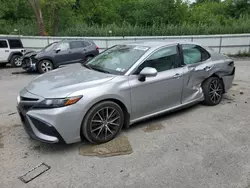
pixel 213 91
pixel 103 122
pixel 15 61
pixel 3 64
pixel 45 66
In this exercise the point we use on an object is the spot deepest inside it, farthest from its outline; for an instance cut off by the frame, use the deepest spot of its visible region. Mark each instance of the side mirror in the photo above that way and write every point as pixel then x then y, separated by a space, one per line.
pixel 147 72
pixel 58 50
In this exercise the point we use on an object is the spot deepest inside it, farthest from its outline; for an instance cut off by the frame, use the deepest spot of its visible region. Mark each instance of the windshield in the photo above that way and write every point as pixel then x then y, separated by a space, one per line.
pixel 50 47
pixel 118 59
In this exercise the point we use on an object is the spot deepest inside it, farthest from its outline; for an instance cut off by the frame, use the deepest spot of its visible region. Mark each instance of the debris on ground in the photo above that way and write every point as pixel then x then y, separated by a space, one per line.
pixel 117 146
pixel 34 173
pixel 153 127
pixel 241 92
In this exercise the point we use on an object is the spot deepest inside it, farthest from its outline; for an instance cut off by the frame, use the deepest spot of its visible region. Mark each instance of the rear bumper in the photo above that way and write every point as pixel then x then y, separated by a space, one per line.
pixel 228 80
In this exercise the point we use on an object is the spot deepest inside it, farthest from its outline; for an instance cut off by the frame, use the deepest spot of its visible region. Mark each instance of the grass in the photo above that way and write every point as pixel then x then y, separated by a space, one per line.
pixel 79 29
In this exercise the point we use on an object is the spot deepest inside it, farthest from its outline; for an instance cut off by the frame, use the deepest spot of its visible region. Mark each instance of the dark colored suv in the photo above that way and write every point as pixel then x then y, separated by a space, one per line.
pixel 59 53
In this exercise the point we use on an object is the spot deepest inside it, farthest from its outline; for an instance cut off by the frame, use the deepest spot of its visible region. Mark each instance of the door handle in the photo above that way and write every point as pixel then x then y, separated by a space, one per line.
pixel 6 50
pixel 207 68
pixel 177 75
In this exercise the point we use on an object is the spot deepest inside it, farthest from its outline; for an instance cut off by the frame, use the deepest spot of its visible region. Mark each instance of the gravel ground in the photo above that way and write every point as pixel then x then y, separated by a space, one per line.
pixel 196 147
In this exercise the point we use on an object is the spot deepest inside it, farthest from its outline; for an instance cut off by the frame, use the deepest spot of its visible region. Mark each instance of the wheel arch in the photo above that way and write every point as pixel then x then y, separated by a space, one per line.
pixel 217 75
pixel 14 53
pixel 118 102
pixel 46 58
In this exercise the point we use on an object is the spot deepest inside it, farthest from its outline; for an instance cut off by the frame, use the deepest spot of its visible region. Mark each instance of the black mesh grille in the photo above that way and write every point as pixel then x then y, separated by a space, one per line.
pixel 42 127
pixel 28 99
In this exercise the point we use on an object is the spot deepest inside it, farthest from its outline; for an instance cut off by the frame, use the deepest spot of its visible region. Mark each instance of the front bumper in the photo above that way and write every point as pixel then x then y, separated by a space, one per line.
pixel 39 130
pixel 29 63
pixel 55 125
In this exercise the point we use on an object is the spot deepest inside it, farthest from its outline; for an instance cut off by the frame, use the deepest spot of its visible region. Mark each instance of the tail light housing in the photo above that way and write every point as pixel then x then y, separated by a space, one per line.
pixel 97 48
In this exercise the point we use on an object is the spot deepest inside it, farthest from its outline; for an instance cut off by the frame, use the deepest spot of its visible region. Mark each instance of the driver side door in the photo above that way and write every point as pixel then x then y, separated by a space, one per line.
pixel 159 93
pixel 64 56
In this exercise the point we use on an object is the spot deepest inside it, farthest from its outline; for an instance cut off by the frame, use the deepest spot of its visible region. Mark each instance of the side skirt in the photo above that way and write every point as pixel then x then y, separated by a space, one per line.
pixel 181 106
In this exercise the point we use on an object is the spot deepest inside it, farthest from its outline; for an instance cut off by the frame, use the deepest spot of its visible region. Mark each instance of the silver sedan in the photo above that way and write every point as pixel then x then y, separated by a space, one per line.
pixel 123 85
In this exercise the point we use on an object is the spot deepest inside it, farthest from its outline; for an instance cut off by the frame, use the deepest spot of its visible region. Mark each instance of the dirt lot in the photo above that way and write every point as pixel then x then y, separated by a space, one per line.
pixel 196 147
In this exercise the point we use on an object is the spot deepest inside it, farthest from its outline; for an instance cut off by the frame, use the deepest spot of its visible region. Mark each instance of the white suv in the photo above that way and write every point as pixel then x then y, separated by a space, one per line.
pixel 11 50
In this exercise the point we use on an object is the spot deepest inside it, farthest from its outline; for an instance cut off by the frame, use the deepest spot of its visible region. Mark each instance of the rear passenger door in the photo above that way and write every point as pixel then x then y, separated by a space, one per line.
pixel 4 51
pixel 196 66
pixel 77 50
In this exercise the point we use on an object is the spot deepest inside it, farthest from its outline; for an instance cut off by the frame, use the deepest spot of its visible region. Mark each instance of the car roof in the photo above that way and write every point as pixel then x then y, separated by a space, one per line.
pixel 8 38
pixel 158 44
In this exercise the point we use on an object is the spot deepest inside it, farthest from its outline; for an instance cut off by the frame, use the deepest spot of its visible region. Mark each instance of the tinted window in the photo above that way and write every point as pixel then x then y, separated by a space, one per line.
pixel 76 44
pixel 85 43
pixel 15 43
pixel 162 60
pixel 194 54
pixel 118 59
pixel 50 47
pixel 63 46
pixel 3 44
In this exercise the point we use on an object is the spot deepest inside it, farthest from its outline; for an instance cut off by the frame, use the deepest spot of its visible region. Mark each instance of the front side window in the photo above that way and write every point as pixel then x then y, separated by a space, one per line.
pixel 194 54
pixel 162 60
pixel 63 46
pixel 118 59
pixel 3 44
pixel 51 46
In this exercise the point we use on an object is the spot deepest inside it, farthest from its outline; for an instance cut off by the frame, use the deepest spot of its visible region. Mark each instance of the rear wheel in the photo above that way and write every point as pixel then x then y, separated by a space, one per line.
pixel 213 91
pixel 103 122
pixel 15 61
pixel 45 66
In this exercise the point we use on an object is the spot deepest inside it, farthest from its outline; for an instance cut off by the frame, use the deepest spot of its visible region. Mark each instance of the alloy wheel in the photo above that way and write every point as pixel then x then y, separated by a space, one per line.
pixel 105 123
pixel 46 66
pixel 18 61
pixel 215 91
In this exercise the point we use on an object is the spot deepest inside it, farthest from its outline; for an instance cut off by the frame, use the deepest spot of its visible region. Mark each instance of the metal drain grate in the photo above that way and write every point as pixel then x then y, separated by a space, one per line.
pixel 34 173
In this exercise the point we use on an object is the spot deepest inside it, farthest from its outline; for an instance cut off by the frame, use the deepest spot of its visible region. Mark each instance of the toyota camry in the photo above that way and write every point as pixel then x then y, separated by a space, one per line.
pixel 123 85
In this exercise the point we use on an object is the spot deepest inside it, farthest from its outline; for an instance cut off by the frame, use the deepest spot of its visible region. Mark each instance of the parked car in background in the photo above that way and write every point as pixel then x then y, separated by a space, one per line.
pixel 59 53
pixel 123 85
pixel 11 49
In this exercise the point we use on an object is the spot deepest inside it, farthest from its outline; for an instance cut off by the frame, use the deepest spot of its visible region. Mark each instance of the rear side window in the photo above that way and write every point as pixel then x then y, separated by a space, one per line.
pixel 76 44
pixel 194 54
pixel 3 44
pixel 14 44
pixel 85 43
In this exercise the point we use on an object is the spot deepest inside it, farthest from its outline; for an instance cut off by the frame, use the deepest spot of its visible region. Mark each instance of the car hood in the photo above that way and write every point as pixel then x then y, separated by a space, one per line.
pixel 30 53
pixel 66 80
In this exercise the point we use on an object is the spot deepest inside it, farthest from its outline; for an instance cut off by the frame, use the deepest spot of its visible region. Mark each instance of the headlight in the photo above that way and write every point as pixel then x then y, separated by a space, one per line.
pixel 56 103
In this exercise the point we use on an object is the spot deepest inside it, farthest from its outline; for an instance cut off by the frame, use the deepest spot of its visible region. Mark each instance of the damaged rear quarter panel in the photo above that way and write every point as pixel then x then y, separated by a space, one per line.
pixel 195 74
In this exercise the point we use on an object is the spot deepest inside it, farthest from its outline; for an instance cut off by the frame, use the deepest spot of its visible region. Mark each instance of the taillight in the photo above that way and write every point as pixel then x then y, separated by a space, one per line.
pixel 97 48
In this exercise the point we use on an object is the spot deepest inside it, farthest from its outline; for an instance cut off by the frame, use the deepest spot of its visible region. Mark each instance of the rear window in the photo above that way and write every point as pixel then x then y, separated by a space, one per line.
pixel 14 43
pixel 3 44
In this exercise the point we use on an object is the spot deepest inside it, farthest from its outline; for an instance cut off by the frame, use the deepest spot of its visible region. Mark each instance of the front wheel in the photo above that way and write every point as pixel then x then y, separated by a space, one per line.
pixel 45 66
pixel 103 122
pixel 213 91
